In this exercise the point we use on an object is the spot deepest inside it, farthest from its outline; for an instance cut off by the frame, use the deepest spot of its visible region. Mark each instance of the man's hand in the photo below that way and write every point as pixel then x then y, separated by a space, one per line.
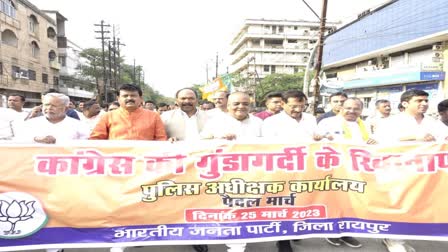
pixel 229 136
pixel 45 140
pixel 371 141
pixel 428 138
pixel 35 111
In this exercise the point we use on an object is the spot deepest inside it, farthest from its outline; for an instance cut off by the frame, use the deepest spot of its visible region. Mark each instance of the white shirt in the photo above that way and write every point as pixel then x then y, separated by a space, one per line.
pixel 92 121
pixel 405 125
pixel 191 126
pixel 223 124
pixel 373 122
pixel 285 127
pixel 64 131
pixel 334 126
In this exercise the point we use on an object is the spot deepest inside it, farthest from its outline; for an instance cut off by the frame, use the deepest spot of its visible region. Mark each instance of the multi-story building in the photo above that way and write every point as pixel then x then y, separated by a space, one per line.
pixel 389 49
pixel 28 52
pixel 71 81
pixel 264 47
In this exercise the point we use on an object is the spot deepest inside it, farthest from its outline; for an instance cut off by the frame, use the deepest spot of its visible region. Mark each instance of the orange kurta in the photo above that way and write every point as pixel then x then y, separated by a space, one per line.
pixel 120 124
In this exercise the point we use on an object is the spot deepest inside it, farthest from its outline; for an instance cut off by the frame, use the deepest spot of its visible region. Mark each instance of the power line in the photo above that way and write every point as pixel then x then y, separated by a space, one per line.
pixel 103 41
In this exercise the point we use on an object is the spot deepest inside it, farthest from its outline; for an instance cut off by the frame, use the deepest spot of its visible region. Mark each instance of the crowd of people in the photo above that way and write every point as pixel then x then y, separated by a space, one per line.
pixel 228 117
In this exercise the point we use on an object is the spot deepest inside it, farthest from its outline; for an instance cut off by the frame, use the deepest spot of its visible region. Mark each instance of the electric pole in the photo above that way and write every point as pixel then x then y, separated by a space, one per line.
pixel 316 91
pixel 217 64
pixel 110 62
pixel 103 41
pixel 133 76
pixel 114 58
pixel 119 60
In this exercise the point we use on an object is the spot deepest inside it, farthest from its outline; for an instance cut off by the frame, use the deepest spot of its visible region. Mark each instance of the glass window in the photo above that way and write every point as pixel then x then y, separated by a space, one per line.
pixel 45 78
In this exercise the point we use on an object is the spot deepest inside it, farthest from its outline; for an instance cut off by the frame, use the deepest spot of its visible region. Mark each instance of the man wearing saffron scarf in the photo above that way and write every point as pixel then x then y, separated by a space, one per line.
pixel 346 127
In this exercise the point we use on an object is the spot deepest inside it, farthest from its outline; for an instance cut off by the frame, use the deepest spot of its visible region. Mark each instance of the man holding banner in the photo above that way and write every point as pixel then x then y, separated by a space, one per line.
pixel 417 127
pixel 346 127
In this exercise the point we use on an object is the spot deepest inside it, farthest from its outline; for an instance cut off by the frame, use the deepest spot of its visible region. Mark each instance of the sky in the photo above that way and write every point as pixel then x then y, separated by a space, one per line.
pixel 174 40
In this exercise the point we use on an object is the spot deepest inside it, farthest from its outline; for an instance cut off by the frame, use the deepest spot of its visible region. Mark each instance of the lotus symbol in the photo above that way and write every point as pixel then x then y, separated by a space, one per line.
pixel 14 212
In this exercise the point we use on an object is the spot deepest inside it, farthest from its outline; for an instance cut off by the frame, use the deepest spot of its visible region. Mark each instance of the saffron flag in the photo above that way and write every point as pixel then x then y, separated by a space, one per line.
pixel 221 83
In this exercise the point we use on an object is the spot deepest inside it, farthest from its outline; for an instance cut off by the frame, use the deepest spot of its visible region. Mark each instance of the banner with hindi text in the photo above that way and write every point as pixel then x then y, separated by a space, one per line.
pixel 152 193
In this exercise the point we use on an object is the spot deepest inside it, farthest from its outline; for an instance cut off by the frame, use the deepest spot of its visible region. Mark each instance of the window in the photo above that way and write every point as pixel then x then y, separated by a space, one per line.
pixel 272 69
pixel 33 25
pixel 367 101
pixel 55 80
pixel 51 33
pixel 266 68
pixel 292 41
pixel 280 29
pixel 15 69
pixel 296 69
pixel 295 28
pixel 9 38
pixel 45 78
pixel 34 49
pixel 7 7
pixel 305 59
pixel 32 74
pixel 51 55
pixel 63 60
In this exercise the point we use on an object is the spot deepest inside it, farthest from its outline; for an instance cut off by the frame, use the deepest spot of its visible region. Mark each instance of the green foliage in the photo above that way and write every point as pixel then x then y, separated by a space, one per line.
pixel 95 70
pixel 278 83
pixel 270 83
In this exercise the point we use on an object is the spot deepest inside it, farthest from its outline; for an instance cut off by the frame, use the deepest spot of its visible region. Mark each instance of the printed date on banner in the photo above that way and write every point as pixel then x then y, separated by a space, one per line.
pixel 256 214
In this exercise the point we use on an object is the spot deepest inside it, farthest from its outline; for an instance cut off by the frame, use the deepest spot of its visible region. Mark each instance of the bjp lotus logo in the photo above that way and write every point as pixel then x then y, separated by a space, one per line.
pixel 20 215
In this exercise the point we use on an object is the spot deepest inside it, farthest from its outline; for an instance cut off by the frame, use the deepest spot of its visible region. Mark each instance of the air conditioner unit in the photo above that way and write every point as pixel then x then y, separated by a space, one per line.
pixel 16 75
pixel 22 76
pixel 437 47
pixel 437 55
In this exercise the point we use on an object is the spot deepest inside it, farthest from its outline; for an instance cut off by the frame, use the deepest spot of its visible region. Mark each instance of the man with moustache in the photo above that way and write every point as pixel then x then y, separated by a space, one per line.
pixel 130 121
pixel 220 99
pixel 186 122
pixel 292 124
pixel 382 113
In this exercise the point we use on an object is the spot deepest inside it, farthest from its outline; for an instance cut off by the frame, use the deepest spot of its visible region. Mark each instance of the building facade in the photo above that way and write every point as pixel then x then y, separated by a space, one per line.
pixel 28 52
pixel 398 46
pixel 71 81
pixel 264 47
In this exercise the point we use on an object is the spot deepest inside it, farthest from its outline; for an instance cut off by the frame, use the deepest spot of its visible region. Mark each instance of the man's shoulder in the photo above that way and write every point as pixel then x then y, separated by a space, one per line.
pixel 308 116
pixel 255 119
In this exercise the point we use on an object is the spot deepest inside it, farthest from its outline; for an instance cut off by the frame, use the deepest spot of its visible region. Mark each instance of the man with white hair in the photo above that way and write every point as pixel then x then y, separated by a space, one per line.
pixel 55 126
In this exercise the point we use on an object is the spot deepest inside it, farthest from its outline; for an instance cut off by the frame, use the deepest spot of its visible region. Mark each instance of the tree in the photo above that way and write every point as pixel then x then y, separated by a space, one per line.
pixel 278 83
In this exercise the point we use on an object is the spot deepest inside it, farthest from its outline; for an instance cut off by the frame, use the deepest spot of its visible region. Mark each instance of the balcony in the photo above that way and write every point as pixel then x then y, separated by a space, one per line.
pixel 62 42
pixel 55 65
